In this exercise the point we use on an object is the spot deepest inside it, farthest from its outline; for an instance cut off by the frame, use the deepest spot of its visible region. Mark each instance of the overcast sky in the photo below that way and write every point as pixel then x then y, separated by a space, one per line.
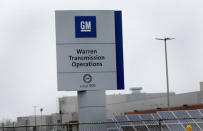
pixel 28 48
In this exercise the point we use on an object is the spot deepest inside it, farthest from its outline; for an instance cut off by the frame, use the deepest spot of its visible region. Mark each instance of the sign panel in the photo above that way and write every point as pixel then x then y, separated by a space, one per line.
pixel 89 50
pixel 86 58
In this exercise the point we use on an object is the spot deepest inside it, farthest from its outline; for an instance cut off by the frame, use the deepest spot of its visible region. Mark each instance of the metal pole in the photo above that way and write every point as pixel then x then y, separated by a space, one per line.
pixel 26 123
pixel 160 125
pixel 167 81
pixel 60 114
pixel 68 127
pixel 13 126
pixel 3 126
pixel 41 109
pixel 167 78
pixel 35 128
pixel 60 111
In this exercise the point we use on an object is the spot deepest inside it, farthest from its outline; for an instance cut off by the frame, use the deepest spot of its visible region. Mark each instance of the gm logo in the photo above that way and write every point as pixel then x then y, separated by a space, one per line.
pixel 85 26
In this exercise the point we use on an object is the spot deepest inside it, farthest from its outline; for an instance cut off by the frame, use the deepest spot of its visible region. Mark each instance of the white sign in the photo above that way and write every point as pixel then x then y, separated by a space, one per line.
pixel 86 50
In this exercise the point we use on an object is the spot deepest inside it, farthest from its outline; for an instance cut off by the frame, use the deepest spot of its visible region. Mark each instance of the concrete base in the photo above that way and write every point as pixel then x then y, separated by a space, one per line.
pixel 91 108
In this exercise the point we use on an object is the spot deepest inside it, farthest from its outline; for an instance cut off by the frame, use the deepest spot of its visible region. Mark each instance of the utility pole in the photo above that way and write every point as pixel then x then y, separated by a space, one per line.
pixel 166 60
pixel 61 113
pixel 35 115
pixel 41 109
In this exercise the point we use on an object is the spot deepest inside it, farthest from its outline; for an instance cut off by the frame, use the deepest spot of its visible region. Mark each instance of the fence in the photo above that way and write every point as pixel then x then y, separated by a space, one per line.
pixel 111 125
pixel 54 127
pixel 145 125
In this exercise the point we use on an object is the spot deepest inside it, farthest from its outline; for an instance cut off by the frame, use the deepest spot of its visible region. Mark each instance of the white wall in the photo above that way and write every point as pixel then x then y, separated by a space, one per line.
pixel 201 86
pixel 191 98
pixel 117 104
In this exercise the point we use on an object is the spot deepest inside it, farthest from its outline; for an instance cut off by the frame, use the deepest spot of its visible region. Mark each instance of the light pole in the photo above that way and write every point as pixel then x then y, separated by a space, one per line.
pixel 167 81
pixel 60 113
pixel 35 117
pixel 41 109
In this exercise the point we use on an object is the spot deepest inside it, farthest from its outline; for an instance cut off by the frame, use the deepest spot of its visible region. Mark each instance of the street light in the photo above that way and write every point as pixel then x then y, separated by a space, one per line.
pixel 60 112
pixel 167 81
pixel 41 109
pixel 35 117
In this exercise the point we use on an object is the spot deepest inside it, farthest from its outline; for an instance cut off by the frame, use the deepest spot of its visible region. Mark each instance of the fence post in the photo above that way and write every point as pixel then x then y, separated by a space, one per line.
pixel 26 124
pixel 34 128
pixel 13 126
pixel 3 126
pixel 189 128
pixel 160 125
pixel 67 127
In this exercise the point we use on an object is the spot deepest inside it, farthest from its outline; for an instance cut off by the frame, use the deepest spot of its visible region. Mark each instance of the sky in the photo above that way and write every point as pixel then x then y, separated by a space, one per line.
pixel 28 49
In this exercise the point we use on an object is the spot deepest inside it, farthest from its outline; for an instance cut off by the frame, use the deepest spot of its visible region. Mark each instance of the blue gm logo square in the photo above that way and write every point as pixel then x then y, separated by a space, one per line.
pixel 85 26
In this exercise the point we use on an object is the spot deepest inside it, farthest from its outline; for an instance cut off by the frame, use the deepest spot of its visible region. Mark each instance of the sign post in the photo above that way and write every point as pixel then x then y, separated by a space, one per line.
pixel 89 58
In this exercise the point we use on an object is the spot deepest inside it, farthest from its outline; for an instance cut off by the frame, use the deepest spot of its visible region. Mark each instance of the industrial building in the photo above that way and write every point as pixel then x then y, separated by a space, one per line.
pixel 135 102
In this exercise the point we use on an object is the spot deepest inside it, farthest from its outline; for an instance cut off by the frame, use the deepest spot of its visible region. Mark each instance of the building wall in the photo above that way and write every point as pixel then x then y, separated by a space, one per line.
pixel 144 96
pixel 30 120
pixel 200 97
pixel 191 98
pixel 115 99
pixel 185 99
pixel 115 103
pixel 68 104
pixel 201 86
